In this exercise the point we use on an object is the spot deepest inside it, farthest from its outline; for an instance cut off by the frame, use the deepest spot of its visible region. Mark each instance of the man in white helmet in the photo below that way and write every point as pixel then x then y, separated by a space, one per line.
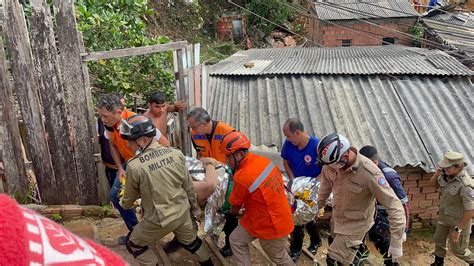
pixel 356 183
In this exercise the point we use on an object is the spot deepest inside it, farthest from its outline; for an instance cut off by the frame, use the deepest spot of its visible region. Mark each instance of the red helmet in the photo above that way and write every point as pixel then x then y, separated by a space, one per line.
pixel 233 141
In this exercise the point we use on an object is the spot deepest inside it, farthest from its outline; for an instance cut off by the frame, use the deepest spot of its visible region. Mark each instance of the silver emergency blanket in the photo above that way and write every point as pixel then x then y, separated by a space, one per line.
pixel 213 218
pixel 305 192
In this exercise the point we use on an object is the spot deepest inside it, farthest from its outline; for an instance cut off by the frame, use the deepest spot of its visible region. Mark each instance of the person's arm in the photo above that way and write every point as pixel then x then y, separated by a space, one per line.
pixel 434 178
pixel 467 196
pixel 117 159
pixel 387 198
pixel 177 106
pixel 288 170
pixel 395 183
pixel 325 188
pixel 131 189
pixel 238 196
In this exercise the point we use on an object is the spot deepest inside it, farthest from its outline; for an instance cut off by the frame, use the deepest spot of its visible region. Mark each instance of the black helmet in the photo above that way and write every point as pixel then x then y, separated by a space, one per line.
pixel 137 126
pixel 331 148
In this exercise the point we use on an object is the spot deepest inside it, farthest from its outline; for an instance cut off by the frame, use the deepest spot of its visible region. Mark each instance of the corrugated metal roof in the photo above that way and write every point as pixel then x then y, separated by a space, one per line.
pixel 390 59
pixel 465 19
pixel 353 9
pixel 409 118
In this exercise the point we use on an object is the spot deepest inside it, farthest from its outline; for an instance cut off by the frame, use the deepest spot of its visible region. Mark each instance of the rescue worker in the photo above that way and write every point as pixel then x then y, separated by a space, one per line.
pixel 356 184
pixel 112 110
pixel 159 175
pixel 379 233
pixel 299 159
pixel 206 134
pixel 456 208
pixel 158 110
pixel 259 188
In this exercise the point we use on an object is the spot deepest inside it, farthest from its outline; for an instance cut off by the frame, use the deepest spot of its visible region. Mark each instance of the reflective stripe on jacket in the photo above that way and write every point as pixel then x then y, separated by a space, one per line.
pixel 206 148
pixel 258 187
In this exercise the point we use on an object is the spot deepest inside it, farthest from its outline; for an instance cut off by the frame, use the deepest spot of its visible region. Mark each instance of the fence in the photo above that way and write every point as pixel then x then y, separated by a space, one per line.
pixel 43 65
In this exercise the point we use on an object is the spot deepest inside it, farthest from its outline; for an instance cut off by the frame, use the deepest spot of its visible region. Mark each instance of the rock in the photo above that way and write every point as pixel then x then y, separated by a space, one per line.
pixel 289 41
pixel 112 213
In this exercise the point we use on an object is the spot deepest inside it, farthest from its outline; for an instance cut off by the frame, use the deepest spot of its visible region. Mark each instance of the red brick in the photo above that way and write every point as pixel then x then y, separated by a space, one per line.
pixel 426 203
pixel 425 216
pixel 409 183
pixel 418 197
pixel 417 210
pixel 434 216
pixel 424 183
pixel 436 202
pixel 428 189
pixel 432 210
pixel 413 190
pixel 434 195
pixel 414 177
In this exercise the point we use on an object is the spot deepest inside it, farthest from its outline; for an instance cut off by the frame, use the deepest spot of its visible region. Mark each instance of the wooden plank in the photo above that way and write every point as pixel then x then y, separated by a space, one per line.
pixel 53 105
pixel 75 88
pixel 215 250
pixel 11 150
pixel 26 87
pixel 204 82
pixel 103 183
pixel 93 56
pixel 185 141
pixel 191 103
pixel 197 86
pixel 163 256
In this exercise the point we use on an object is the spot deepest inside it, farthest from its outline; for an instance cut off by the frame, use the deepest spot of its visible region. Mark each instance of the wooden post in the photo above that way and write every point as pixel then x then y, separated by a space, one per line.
pixel 75 88
pixel 53 103
pixel 11 151
pixel 182 96
pixel 26 87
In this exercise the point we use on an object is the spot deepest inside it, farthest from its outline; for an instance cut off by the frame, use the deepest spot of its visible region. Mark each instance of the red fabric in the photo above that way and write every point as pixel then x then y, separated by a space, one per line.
pixel 267 212
pixel 27 238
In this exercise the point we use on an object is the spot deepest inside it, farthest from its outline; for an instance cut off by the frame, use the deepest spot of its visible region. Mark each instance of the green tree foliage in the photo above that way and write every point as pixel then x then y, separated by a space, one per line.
pixel 115 24
pixel 276 11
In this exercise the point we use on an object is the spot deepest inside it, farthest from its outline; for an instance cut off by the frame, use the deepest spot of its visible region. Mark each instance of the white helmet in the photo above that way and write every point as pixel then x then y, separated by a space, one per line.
pixel 331 148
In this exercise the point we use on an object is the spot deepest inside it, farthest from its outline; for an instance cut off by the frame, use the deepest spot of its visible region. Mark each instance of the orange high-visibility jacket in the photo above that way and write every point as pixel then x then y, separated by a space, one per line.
pixel 121 144
pixel 210 147
pixel 258 187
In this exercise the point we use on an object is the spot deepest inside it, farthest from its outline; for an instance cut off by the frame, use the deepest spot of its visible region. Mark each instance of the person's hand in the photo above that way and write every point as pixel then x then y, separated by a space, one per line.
pixel 208 160
pixel 438 172
pixel 321 213
pixel 395 253
pixel 196 212
pixel 455 236
pixel 179 105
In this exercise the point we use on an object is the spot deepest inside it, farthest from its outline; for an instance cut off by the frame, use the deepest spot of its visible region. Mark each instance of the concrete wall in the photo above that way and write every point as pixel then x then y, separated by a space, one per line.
pixel 363 34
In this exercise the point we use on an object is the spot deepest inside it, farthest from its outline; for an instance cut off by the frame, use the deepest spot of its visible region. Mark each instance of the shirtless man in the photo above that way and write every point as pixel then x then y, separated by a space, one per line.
pixel 158 110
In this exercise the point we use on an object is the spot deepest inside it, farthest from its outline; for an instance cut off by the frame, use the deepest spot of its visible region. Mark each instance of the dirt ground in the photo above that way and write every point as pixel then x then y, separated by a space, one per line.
pixel 417 249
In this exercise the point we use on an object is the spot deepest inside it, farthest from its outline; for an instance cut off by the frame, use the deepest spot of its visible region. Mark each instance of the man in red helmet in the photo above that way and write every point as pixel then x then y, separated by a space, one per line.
pixel 258 187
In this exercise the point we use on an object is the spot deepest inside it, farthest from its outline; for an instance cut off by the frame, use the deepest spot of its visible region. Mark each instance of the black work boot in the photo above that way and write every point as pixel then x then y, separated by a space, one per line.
pixel 294 255
pixel 439 261
pixel 313 248
pixel 207 262
pixel 332 262
pixel 172 246
pixel 226 251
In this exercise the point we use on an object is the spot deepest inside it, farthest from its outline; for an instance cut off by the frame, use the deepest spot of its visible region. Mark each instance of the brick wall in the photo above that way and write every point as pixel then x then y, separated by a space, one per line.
pixel 364 34
pixel 224 27
pixel 423 198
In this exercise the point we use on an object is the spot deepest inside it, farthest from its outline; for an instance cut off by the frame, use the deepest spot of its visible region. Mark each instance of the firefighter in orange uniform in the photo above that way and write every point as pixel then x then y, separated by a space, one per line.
pixel 206 134
pixel 258 188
